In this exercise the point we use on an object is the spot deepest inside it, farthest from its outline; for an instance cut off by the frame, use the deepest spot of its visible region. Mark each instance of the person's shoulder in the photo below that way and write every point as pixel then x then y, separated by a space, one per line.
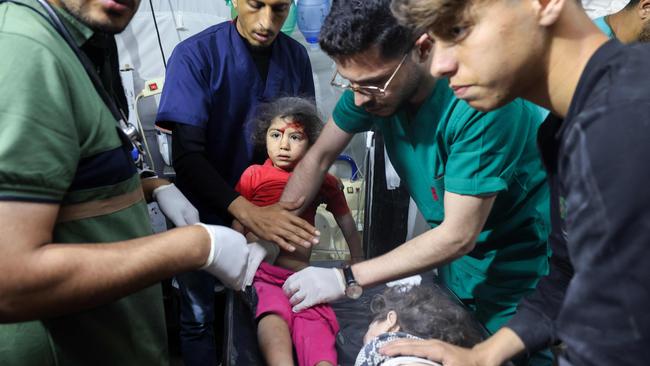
pixel 611 98
pixel 518 111
pixel 353 119
pixel 629 73
pixel 295 48
pixel 205 38
pixel 616 75
pixel 24 30
pixel 253 169
pixel 346 104
pixel 455 111
pixel 516 118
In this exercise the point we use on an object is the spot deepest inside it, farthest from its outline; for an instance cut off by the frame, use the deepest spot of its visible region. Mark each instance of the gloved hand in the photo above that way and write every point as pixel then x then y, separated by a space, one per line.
pixel 314 285
pixel 272 251
pixel 406 283
pixel 175 205
pixel 257 253
pixel 228 258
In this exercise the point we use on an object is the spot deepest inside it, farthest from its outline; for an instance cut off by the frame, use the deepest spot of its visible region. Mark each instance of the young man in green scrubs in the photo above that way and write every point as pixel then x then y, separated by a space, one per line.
pixel 476 177
pixel 630 24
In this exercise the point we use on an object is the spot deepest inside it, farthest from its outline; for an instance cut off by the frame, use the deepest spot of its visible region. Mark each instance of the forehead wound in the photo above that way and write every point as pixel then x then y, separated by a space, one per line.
pixel 291 123
pixel 296 125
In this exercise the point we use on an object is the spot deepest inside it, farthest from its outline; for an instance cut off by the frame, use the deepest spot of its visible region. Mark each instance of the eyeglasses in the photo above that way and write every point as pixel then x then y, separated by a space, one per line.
pixel 369 90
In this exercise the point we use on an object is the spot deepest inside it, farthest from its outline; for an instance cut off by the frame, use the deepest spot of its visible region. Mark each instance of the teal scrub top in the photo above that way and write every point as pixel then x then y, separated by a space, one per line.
pixel 602 24
pixel 450 147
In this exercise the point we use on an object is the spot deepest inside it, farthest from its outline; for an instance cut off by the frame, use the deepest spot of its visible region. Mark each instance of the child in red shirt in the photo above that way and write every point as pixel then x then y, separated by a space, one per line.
pixel 287 128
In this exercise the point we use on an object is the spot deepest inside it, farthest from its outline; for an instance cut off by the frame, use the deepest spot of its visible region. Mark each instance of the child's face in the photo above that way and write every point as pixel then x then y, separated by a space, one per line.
pixel 286 143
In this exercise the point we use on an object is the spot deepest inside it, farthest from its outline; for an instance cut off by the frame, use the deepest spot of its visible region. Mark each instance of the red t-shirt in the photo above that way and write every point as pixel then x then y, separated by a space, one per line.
pixel 263 186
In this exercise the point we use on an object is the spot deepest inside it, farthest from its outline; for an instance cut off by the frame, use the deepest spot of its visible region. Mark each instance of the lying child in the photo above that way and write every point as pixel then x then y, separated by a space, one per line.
pixel 287 128
pixel 418 312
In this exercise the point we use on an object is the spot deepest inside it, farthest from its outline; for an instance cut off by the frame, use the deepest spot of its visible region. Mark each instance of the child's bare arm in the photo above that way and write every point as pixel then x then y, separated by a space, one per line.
pixel 351 235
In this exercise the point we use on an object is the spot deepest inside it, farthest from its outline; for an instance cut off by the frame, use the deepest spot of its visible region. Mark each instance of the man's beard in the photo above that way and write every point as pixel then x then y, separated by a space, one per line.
pixel 644 36
pixel 105 27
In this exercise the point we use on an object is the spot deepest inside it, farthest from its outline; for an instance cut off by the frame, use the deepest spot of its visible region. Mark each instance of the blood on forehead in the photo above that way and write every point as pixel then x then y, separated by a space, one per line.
pixel 296 125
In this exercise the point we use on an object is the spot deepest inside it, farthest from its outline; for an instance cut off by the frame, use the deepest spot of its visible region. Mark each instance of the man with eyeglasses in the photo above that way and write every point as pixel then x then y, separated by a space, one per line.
pixel 476 177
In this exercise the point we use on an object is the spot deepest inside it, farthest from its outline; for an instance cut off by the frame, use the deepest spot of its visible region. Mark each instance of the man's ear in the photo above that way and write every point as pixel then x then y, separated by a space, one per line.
pixel 643 9
pixel 548 11
pixel 424 45
pixel 234 3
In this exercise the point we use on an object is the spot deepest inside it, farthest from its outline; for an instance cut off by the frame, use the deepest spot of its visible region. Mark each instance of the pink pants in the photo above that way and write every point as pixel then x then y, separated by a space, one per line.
pixel 313 330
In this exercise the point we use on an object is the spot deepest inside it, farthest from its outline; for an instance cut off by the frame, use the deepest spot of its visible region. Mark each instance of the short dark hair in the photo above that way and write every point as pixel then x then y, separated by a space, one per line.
pixel 442 17
pixel 632 4
pixel 354 26
pixel 428 312
pixel 298 109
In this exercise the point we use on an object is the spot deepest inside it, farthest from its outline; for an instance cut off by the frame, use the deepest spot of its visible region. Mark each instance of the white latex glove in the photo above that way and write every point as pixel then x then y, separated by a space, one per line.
pixel 228 256
pixel 272 251
pixel 260 251
pixel 256 255
pixel 175 205
pixel 314 285
pixel 406 283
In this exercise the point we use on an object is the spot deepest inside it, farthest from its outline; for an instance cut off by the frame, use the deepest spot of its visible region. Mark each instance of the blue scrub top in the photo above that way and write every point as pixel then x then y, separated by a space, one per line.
pixel 213 83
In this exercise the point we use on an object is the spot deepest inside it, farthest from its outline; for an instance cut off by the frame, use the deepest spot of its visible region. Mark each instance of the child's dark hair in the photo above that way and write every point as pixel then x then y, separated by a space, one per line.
pixel 429 313
pixel 298 109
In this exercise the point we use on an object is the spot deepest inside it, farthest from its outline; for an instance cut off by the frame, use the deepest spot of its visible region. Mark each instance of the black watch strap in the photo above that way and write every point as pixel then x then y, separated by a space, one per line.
pixel 348 275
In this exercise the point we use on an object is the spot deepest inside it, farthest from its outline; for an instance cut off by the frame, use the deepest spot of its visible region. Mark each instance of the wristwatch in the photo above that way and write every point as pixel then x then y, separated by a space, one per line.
pixel 352 289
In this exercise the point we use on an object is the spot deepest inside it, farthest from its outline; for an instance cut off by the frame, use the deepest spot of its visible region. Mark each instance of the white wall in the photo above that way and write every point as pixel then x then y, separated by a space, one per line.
pixel 179 19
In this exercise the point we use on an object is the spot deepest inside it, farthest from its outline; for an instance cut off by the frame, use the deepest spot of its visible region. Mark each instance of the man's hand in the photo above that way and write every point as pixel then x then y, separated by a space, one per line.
pixel 494 351
pixel 258 252
pixel 434 350
pixel 275 223
pixel 256 255
pixel 314 285
pixel 175 205
pixel 228 258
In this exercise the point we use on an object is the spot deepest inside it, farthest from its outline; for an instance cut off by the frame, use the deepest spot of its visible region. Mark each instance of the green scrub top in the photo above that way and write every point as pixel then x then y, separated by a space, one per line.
pixel 602 24
pixel 450 147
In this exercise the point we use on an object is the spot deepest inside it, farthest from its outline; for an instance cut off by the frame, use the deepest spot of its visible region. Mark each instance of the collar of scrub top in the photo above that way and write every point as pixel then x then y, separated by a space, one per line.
pixel 275 74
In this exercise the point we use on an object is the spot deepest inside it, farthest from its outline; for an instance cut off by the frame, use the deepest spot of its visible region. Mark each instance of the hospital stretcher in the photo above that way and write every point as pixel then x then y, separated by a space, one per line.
pixel 240 338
